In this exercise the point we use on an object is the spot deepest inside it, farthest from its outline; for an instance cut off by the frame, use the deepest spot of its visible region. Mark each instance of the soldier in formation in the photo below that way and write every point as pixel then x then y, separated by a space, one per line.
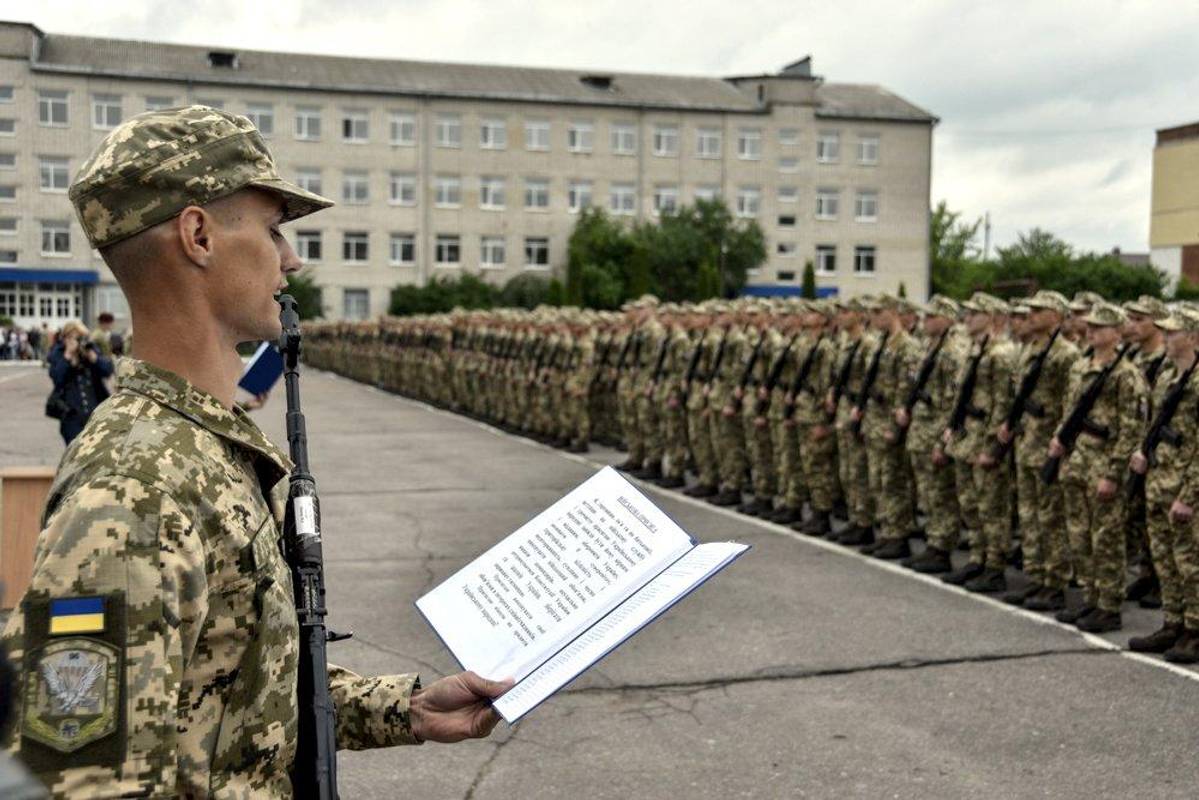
pixel 1050 436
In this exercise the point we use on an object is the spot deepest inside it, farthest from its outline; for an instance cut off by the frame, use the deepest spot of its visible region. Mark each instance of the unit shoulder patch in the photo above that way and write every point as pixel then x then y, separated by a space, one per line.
pixel 71 692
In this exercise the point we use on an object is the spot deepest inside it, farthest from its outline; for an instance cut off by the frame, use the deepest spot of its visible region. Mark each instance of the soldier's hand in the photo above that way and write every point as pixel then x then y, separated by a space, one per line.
pixel 902 418
pixel 737 392
pixel 1056 449
pixel 985 460
pixel 1106 489
pixel 759 422
pixel 946 437
pixel 456 708
pixel 1180 512
pixel 819 432
pixel 762 393
pixel 939 457
pixel 1004 434
pixel 1138 463
pixel 829 406
pixel 856 414
pixel 728 411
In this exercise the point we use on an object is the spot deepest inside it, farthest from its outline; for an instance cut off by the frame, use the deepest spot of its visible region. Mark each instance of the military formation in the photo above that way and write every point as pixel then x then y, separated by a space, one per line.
pixel 1049 435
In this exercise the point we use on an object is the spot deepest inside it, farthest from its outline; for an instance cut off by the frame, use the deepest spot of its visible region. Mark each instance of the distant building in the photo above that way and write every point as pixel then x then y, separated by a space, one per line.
pixel 1174 218
pixel 440 169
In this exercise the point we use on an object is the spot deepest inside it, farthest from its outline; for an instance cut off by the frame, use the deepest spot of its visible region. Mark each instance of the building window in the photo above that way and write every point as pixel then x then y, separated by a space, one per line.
pixel 355 126
pixel 491 252
pixel 8 127
pixel 56 238
pixel 537 253
pixel 6 94
pixel 580 137
pixel 749 144
pixel 868 149
pixel 578 195
pixel 863 260
pixel 624 138
pixel 8 161
pixel 537 193
pixel 491 193
pixel 786 220
pixel 448 251
pixel 828 147
pixel 447 191
pixel 707 191
pixel 308 246
pixel 8 193
pixel 8 226
pixel 106 111
pixel 866 206
pixel 785 275
pixel 622 198
pixel 788 136
pixel 402 189
pixel 537 135
pixel 356 303
pixel 493 134
pixel 666 199
pixel 827 202
pixel 308 123
pixel 52 108
pixel 157 102
pixel 355 188
pixel 749 201
pixel 786 249
pixel 788 165
pixel 309 179
pixel 355 247
pixel 666 140
pixel 402 125
pixel 707 143
pixel 448 130
pixel 826 259
pixel 788 194
pixel 53 174
pixel 263 117
pixel 403 250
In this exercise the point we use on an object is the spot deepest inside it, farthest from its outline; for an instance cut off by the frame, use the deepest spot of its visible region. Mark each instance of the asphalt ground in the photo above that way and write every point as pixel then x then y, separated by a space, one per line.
pixel 804 670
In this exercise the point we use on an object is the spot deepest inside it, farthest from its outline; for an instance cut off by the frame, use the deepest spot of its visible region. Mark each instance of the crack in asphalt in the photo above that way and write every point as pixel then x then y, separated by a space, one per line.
pixel 399 653
pixel 485 767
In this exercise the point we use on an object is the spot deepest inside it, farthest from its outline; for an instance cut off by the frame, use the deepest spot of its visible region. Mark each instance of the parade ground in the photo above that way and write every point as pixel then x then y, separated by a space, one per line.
pixel 804 670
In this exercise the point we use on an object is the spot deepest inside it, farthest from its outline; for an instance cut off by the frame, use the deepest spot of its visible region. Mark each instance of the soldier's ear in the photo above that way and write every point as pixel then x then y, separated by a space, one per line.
pixel 194 227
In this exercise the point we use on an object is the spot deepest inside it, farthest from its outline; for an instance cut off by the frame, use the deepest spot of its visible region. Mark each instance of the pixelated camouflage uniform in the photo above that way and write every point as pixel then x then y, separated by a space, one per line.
pixel 851 450
pixel 818 457
pixel 728 433
pixel 699 411
pixel 889 472
pixel 759 449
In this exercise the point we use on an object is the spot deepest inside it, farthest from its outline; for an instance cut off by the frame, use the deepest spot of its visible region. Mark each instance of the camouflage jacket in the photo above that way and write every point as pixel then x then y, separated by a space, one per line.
pixel 930 415
pixel 993 393
pixel 1120 411
pixel 1173 476
pixel 180 680
pixel 1043 413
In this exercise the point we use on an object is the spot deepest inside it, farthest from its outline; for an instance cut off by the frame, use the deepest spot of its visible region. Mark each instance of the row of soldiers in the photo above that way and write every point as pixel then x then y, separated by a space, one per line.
pixel 1071 422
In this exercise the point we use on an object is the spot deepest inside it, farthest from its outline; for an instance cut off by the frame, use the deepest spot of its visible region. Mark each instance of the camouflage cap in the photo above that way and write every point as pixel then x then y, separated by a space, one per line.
pixel 156 164
pixel 1083 301
pixel 1181 319
pixel 941 306
pixel 983 303
pixel 1147 306
pixel 1021 310
pixel 1106 315
pixel 1048 300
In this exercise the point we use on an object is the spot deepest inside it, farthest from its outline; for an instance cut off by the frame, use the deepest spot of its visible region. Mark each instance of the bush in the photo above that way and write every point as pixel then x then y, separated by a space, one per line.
pixel 442 294
pixel 302 286
pixel 1185 290
pixel 524 291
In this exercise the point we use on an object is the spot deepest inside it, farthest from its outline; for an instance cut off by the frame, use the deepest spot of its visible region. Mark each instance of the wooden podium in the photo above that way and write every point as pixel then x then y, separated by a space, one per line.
pixel 23 492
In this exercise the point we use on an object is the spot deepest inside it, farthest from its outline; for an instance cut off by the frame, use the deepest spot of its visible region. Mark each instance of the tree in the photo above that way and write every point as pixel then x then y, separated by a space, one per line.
pixel 524 291
pixel 953 251
pixel 809 280
pixel 600 241
pixel 302 286
pixel 442 294
pixel 902 291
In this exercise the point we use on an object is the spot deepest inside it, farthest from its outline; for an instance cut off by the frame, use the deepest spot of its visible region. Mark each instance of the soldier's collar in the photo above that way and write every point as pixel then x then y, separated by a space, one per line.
pixel 175 392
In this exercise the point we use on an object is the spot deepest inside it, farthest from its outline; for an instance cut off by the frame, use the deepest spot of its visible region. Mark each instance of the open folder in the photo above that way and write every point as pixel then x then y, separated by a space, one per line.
pixel 568 587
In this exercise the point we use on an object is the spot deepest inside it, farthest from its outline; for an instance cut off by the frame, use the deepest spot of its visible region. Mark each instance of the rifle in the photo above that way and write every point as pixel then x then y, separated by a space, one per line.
pixel 916 393
pixel 1160 430
pixel 867 384
pixel 843 376
pixel 1154 368
pixel 801 378
pixel 692 365
pixel 749 369
pixel 314 772
pixel 1078 422
pixel 720 349
pixel 772 377
pixel 964 407
pixel 1023 401
pixel 661 360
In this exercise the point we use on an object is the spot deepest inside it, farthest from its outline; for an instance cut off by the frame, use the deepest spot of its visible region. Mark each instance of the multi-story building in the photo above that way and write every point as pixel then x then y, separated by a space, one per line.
pixel 440 169
pixel 1174 216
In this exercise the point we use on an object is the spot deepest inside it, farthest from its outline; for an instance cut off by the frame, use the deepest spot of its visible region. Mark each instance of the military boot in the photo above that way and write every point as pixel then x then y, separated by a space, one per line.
pixel 671 481
pixel 702 490
pixel 1071 616
pixel 1159 641
pixel 991 580
pixel 820 524
pixel 856 536
pixel 1048 599
pixel 579 447
pixel 756 507
pixel 958 577
pixel 629 465
pixel 652 472
pixel 1017 597
pixel 1151 600
pixel 932 561
pixel 787 515
pixel 726 497
pixel 841 511
pixel 1146 584
pixel 1100 621
pixel 1186 649
pixel 893 549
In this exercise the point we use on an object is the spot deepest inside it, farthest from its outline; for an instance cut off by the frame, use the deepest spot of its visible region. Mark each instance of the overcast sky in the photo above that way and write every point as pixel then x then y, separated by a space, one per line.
pixel 1047 108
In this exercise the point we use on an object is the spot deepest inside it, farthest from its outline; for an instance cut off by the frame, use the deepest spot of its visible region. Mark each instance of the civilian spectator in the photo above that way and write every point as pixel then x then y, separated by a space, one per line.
pixel 78 371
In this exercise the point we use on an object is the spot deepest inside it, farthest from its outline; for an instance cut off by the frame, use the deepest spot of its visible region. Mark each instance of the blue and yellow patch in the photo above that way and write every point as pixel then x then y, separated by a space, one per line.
pixel 75 615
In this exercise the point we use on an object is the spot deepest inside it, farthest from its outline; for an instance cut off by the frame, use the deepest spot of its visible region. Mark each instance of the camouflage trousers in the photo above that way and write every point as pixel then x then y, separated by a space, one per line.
pixel 820 466
pixel 788 464
pixel 699 439
pixel 1175 556
pixel 649 425
pixel 1097 543
pixel 728 441
pixel 759 447
pixel 627 407
pixel 674 434
pixel 576 418
pixel 1137 533
pixel 1042 514
pixel 891 486
pixel 936 494
pixel 855 472
pixel 993 536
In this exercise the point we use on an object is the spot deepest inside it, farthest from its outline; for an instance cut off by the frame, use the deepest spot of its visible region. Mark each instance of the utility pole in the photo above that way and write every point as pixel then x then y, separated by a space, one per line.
pixel 987 236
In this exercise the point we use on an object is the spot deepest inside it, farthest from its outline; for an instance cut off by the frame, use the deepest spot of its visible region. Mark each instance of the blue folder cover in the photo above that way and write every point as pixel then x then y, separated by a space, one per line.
pixel 263 370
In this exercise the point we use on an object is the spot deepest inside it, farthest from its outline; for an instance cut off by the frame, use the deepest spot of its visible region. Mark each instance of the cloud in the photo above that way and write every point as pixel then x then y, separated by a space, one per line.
pixel 1048 109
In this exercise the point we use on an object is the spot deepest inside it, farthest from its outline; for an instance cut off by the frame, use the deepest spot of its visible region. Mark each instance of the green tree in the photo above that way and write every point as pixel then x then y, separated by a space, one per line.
pixel 902 291
pixel 442 294
pixel 808 289
pixel 302 286
pixel 524 291
pixel 953 251
pixel 597 240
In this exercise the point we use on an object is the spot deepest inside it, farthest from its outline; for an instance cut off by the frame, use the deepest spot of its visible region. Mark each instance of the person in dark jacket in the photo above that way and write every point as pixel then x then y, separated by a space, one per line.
pixel 78 371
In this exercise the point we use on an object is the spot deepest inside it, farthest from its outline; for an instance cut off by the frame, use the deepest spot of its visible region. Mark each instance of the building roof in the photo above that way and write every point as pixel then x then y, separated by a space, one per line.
pixel 174 62
pixel 1178 133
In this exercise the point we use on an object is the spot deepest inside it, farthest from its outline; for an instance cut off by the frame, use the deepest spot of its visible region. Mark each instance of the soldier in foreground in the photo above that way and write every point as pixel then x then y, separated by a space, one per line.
pixel 156 645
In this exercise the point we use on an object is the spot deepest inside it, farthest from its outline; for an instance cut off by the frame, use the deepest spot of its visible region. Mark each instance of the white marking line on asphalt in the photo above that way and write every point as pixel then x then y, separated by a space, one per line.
pixel 1098 642
pixel 20 375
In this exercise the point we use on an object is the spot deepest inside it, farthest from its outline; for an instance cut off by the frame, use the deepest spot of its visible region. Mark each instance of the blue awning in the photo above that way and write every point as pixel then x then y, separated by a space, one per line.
pixel 23 275
pixel 786 291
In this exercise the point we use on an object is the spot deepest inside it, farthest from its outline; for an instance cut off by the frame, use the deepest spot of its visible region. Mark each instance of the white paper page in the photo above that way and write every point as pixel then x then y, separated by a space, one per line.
pixel 520 602
pixel 635 613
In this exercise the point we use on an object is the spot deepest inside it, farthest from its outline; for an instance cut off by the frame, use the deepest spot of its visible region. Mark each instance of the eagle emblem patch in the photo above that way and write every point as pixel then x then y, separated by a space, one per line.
pixel 71 690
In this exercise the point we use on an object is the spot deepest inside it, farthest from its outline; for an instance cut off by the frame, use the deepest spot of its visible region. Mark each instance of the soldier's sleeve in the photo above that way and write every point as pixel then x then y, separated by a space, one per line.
pixel 100 639
pixel 1132 408
pixel 1005 386
pixel 374 711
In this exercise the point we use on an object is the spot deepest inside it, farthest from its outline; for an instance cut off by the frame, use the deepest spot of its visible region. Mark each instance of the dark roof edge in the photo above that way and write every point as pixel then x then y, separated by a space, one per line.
pixel 928 119
pixel 64 69
pixel 778 76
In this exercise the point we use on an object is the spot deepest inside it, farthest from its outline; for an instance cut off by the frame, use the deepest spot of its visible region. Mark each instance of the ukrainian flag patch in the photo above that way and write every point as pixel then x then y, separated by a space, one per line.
pixel 75 615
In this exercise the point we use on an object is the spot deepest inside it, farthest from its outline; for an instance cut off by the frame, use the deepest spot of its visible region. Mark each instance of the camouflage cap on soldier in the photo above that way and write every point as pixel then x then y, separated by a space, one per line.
pixel 1047 299
pixel 158 163
pixel 1084 301
pixel 941 306
pixel 1106 315
pixel 1147 306
pixel 1181 319
pixel 1021 310
pixel 983 303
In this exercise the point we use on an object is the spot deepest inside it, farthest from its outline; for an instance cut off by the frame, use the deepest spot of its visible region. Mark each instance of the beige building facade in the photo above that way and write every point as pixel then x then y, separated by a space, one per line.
pixel 441 169
pixel 1174 215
